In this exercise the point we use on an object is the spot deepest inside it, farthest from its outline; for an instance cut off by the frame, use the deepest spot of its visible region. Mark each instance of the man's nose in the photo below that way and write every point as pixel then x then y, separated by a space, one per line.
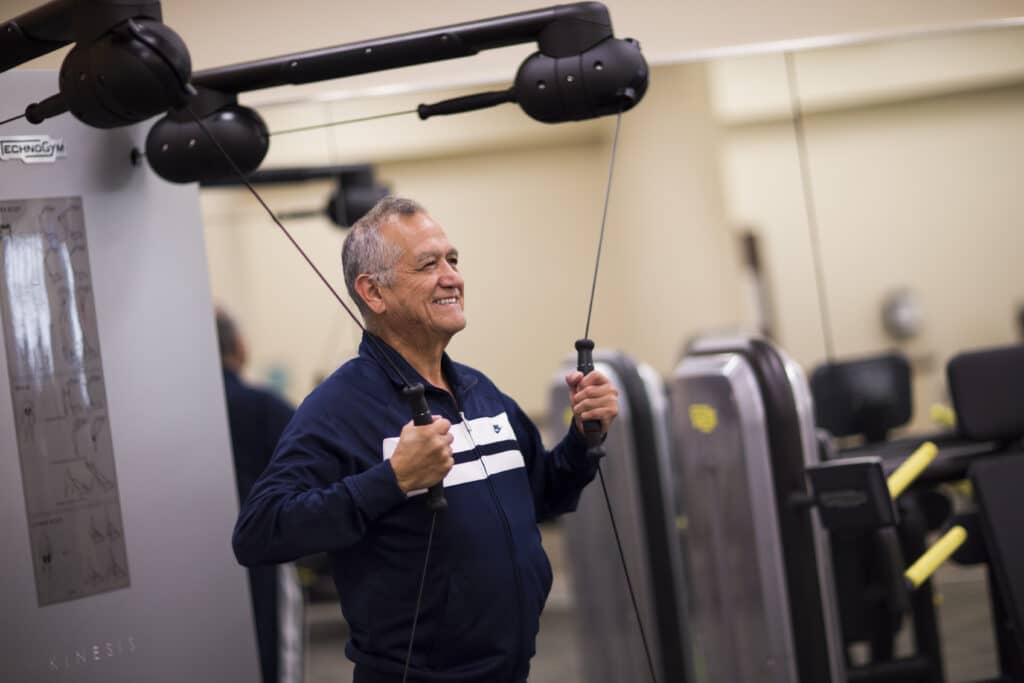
pixel 450 277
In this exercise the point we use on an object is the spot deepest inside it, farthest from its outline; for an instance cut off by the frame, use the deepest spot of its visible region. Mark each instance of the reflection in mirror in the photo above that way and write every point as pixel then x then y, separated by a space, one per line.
pixel 907 154
pixel 913 147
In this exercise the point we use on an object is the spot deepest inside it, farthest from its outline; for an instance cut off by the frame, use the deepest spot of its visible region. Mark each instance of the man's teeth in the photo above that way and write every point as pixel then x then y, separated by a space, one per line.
pixel 449 300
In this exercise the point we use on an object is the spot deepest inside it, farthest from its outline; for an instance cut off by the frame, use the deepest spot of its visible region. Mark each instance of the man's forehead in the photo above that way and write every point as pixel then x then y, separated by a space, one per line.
pixel 417 234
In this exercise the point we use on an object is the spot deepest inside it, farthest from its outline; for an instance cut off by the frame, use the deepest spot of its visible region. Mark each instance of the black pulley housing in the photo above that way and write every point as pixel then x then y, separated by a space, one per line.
pixel 181 152
pixel 607 78
pixel 138 69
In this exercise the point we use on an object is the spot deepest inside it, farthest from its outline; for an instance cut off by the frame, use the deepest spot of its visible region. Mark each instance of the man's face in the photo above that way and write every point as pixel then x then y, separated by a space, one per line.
pixel 426 297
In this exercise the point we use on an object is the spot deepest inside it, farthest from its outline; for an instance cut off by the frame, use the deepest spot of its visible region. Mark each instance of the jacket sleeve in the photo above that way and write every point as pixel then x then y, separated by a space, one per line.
pixel 557 477
pixel 314 496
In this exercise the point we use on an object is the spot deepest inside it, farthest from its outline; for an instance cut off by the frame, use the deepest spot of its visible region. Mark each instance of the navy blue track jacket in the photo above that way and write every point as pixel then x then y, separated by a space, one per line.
pixel 330 488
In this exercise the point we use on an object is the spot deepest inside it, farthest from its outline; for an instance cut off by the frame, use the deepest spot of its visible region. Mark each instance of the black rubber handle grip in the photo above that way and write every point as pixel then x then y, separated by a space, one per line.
pixel 37 112
pixel 421 416
pixel 591 428
pixel 457 105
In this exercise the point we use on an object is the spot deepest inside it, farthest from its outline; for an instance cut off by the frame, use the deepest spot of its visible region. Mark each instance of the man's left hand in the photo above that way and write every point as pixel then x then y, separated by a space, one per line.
pixel 592 397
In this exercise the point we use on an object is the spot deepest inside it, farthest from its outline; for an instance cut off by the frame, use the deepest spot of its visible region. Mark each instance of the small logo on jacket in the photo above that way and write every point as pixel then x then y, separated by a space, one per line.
pixel 497 428
pixel 31 149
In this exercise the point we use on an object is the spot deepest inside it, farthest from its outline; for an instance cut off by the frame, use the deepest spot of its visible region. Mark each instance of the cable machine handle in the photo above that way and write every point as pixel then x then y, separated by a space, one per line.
pixel 421 416
pixel 591 428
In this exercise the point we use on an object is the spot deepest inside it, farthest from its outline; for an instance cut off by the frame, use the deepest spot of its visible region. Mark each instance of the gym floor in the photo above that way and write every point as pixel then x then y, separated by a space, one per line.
pixel 964 615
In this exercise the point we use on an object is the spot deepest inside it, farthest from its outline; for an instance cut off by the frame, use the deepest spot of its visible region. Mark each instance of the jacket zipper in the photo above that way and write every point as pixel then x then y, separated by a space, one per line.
pixel 508 531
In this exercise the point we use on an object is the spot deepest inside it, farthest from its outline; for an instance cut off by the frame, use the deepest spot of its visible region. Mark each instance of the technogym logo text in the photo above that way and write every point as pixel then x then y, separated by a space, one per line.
pixel 31 149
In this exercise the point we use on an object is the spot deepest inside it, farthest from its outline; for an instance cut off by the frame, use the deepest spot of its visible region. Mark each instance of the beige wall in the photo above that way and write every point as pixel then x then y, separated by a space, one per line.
pixel 671 263
pixel 922 194
pixel 753 88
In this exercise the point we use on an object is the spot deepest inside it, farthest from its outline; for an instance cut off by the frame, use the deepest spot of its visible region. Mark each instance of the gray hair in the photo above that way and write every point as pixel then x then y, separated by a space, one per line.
pixel 366 251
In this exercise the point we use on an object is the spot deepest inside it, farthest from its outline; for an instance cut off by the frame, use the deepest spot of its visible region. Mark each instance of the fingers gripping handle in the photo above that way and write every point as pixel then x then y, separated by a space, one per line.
pixel 591 428
pixel 421 416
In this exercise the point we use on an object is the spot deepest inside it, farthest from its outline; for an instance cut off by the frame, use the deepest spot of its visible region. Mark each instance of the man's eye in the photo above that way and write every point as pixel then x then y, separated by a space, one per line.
pixel 454 261
pixel 428 265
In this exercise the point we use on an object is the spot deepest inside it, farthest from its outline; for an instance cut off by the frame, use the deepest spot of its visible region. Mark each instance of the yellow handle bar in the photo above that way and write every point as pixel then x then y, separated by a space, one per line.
pixel 906 473
pixel 920 571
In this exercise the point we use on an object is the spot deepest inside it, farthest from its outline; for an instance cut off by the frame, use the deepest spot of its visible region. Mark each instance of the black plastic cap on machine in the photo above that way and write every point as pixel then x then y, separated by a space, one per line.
pixel 139 69
pixel 609 77
pixel 180 151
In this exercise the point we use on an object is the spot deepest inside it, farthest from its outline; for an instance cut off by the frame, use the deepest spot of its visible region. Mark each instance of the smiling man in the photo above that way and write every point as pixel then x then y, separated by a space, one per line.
pixel 348 475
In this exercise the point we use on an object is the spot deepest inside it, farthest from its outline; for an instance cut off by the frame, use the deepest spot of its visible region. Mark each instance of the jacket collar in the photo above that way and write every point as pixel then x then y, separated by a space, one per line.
pixel 460 380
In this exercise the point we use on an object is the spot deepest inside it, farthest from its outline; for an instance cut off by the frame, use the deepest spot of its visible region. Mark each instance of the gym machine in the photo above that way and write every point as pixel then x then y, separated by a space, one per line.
pixel 638 467
pixel 857 504
pixel 868 397
pixel 745 500
pixel 760 571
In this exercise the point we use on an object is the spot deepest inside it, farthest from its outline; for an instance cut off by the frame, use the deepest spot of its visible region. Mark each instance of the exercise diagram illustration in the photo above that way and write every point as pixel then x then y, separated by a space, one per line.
pixel 80 556
pixel 58 389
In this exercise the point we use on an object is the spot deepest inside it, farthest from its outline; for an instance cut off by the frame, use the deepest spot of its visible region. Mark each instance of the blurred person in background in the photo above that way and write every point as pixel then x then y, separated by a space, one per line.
pixel 256 418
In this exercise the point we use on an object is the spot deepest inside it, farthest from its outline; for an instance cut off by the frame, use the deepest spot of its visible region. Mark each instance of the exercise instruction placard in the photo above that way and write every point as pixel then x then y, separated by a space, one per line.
pixel 59 398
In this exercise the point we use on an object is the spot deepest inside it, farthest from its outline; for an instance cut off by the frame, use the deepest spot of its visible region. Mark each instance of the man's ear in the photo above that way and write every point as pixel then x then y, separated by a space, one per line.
pixel 368 289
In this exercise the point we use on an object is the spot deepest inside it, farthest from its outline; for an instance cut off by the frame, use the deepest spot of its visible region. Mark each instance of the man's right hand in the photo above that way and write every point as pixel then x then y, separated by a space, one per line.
pixel 424 454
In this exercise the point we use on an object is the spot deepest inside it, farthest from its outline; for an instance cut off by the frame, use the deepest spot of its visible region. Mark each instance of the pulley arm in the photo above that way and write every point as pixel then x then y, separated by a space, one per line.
pixel 580 71
pixel 35 33
pixel 51 26
pixel 559 31
pixel 125 66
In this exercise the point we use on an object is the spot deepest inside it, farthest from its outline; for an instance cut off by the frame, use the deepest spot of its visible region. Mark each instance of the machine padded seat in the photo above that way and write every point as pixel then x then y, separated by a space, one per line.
pixel 866 396
pixel 987 388
pixel 998 483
